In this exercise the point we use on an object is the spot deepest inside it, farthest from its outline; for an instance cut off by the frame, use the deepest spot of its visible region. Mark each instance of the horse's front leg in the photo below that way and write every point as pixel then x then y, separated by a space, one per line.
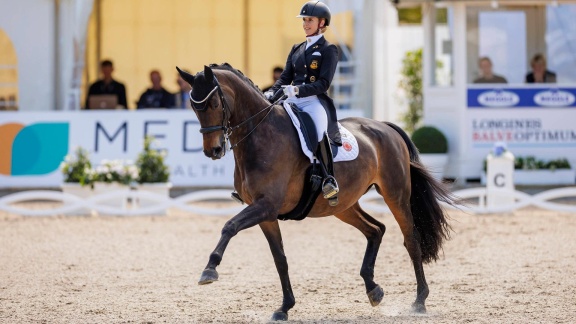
pixel 254 214
pixel 272 232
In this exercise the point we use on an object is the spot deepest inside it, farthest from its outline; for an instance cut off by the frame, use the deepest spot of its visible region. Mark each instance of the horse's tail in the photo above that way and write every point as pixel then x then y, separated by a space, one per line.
pixel 429 218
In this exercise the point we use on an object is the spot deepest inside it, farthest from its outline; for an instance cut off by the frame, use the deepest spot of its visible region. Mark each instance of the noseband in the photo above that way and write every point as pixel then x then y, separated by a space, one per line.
pixel 201 105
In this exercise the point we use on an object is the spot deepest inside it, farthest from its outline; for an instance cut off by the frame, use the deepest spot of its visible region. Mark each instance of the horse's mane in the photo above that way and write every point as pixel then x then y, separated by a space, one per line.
pixel 227 67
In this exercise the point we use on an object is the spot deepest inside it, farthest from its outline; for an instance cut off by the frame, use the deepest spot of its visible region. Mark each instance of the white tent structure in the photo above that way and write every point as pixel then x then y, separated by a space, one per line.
pixel 533 119
pixel 72 24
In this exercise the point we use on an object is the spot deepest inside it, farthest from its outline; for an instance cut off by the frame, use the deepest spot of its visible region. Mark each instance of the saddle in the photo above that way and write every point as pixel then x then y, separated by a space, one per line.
pixel 316 173
pixel 308 129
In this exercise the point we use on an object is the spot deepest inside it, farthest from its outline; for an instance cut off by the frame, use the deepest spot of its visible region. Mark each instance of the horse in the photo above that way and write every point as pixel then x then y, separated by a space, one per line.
pixel 270 169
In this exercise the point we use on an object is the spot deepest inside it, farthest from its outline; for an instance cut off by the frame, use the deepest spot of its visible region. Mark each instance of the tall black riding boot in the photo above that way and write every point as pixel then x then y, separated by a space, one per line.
pixel 329 185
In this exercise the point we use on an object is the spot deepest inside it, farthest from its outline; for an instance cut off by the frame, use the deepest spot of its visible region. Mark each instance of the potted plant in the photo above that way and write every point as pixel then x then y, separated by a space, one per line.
pixel 76 171
pixel 433 148
pixel 153 172
pixel 531 171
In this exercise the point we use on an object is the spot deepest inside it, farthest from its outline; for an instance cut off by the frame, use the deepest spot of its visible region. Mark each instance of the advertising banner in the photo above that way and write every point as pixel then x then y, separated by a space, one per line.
pixel 33 144
pixel 522 97
pixel 540 122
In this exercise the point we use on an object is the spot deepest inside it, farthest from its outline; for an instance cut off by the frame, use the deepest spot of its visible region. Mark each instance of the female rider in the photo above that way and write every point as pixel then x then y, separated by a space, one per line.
pixel 306 78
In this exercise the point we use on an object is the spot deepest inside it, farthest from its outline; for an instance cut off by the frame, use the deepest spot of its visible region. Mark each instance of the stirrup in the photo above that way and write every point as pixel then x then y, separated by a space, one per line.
pixel 333 201
pixel 330 187
pixel 237 197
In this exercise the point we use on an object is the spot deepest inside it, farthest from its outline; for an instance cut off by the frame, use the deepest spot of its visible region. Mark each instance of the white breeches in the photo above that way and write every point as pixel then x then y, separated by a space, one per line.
pixel 313 107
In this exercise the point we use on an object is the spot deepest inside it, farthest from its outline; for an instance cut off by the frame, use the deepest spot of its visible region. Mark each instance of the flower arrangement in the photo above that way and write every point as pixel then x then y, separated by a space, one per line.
pixel 151 164
pixel 120 171
pixel 531 163
pixel 77 168
pixel 149 168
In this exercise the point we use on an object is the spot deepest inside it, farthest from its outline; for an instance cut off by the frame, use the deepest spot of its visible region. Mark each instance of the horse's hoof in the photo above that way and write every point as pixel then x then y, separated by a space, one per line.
pixel 376 295
pixel 208 276
pixel 279 316
pixel 419 308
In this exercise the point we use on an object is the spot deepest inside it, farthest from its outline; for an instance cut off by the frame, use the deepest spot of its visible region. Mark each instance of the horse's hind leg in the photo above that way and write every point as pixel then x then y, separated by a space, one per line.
pixel 272 232
pixel 399 203
pixel 374 231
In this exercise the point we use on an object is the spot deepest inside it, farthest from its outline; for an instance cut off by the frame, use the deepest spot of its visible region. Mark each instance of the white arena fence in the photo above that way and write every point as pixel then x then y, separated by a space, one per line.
pixel 69 204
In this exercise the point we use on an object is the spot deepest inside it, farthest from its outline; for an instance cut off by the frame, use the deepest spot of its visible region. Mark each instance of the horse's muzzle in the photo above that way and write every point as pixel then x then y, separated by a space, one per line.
pixel 215 153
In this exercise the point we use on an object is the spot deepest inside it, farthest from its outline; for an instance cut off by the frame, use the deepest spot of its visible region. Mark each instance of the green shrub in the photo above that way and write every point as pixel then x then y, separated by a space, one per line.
pixel 430 140
pixel 77 168
pixel 151 165
pixel 530 163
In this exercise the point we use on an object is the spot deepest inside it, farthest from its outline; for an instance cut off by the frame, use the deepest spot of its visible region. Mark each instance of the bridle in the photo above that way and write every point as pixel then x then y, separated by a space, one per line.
pixel 226 128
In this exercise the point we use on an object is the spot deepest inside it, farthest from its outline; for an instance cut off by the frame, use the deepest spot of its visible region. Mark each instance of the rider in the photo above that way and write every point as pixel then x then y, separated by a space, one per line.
pixel 306 78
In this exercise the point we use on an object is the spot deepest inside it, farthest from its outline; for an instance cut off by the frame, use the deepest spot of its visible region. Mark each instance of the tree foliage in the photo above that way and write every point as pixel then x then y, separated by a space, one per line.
pixel 411 83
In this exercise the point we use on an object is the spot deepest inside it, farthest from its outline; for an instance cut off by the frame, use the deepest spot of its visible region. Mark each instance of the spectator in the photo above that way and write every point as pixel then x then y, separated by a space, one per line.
pixel 157 96
pixel 539 72
pixel 487 76
pixel 276 73
pixel 107 86
pixel 182 97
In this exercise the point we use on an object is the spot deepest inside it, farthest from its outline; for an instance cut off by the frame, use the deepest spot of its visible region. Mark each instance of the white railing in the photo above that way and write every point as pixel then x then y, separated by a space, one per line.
pixel 157 204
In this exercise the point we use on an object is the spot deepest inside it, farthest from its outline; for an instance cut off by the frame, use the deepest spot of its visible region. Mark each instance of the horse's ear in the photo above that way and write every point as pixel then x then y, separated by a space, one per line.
pixel 186 76
pixel 208 74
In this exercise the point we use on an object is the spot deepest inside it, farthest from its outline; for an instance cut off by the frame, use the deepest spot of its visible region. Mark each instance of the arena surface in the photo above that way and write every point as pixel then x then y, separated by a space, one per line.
pixel 502 268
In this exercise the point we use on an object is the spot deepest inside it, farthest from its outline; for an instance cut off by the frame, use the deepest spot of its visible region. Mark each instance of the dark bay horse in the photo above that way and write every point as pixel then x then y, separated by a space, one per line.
pixel 270 170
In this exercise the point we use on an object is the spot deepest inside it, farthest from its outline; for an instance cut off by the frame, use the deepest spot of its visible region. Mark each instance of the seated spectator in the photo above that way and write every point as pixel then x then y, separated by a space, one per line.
pixel 157 96
pixel 182 97
pixel 487 76
pixel 106 86
pixel 539 73
pixel 276 73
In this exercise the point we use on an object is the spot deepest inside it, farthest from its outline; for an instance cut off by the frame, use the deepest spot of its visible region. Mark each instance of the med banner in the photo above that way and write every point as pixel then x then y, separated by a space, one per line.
pixel 33 144
pixel 538 121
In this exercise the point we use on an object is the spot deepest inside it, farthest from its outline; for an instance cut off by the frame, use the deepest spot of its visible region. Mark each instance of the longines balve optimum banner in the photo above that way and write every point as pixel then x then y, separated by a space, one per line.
pixel 539 120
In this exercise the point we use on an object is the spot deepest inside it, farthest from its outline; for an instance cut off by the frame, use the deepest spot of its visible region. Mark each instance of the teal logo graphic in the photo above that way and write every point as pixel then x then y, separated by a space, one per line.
pixel 35 149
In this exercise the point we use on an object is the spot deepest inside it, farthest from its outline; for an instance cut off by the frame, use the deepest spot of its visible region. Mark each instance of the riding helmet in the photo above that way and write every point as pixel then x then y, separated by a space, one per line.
pixel 315 9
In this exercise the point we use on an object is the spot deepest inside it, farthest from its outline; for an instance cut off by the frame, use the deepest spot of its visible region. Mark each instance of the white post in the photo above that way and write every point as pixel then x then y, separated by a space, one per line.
pixel 500 176
pixel 73 18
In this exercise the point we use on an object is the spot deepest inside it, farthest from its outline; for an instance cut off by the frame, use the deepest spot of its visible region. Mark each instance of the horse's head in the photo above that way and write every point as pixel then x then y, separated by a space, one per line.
pixel 211 108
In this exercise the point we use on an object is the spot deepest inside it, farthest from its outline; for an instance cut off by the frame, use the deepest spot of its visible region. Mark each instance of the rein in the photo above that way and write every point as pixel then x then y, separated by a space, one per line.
pixel 226 112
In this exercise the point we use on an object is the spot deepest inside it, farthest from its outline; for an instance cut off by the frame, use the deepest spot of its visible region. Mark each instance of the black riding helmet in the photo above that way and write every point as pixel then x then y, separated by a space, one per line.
pixel 315 9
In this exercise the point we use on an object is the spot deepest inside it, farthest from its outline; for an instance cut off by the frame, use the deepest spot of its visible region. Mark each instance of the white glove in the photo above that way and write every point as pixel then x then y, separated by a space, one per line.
pixel 268 94
pixel 290 91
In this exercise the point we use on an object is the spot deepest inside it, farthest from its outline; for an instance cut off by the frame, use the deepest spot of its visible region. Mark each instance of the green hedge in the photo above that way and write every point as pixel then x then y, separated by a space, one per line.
pixel 430 140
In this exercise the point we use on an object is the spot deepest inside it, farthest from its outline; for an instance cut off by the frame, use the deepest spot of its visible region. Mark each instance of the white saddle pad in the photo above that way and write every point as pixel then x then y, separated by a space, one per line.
pixel 347 152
